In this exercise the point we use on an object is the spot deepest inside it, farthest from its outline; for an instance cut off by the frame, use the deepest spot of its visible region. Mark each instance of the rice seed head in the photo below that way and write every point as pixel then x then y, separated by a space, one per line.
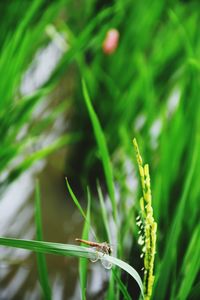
pixel 147 225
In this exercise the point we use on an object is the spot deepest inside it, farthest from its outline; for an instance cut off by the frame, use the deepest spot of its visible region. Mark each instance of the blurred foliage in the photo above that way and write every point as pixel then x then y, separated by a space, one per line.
pixel 149 88
pixel 157 59
pixel 22 34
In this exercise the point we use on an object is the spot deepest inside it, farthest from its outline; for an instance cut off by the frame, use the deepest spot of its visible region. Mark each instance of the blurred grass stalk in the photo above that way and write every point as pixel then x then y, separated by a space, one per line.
pixel 41 260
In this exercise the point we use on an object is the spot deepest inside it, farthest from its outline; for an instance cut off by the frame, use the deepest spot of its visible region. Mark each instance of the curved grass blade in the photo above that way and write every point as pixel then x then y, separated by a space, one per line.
pixel 70 250
pixel 101 142
pixel 126 267
pixel 75 199
pixel 76 202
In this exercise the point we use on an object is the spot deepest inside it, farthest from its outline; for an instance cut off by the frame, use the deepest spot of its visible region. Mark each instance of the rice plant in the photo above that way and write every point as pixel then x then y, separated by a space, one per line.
pixel 146 86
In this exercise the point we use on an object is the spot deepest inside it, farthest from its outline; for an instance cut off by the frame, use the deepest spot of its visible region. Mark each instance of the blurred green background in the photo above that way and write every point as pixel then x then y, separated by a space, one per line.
pixel 147 88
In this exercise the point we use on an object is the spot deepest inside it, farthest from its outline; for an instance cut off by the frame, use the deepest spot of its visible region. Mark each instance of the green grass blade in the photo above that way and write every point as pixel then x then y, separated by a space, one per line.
pixel 38 212
pixel 41 260
pixel 101 142
pixel 191 265
pixel 103 212
pixel 76 202
pixel 48 247
pixel 70 250
pixel 169 255
pixel 83 264
pixel 111 293
pixel 122 287
pixel 126 267
pixel 195 292
pixel 80 209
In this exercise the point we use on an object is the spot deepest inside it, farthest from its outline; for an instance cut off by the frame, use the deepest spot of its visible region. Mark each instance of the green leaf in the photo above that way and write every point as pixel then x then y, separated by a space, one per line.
pixel 195 292
pixel 169 255
pixel 101 142
pixel 83 262
pixel 122 287
pixel 191 265
pixel 70 250
pixel 103 211
pixel 76 202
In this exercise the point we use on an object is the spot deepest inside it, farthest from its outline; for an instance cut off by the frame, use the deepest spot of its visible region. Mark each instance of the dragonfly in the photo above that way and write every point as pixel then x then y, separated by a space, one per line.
pixel 104 248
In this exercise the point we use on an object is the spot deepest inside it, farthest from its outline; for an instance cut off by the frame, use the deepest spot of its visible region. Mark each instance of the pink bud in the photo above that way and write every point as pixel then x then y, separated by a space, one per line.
pixel 110 42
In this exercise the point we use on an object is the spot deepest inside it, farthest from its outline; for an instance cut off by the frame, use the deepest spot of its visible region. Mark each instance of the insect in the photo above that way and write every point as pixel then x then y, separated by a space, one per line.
pixel 104 248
